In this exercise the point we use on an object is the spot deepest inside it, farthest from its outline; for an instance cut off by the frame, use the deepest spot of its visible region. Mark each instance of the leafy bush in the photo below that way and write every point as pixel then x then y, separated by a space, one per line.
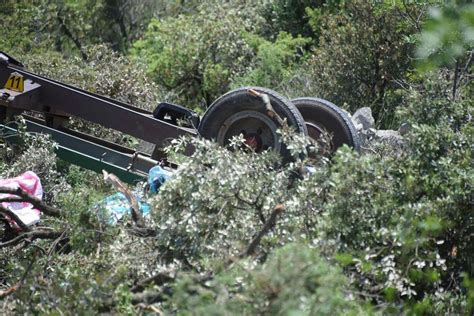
pixel 201 55
pixel 69 26
pixel 24 35
pixel 294 280
pixel 274 61
pixel 448 34
pixel 297 17
pixel 219 199
pixel 289 16
pixel 188 52
pixel 398 226
pixel 105 72
pixel 363 50
pixel 400 223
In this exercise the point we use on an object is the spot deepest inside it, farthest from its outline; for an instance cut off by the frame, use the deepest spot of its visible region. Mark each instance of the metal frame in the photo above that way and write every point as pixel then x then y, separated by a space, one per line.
pixel 59 101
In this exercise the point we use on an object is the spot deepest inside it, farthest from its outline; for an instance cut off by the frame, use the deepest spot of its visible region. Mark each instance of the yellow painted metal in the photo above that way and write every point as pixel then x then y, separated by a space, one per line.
pixel 16 82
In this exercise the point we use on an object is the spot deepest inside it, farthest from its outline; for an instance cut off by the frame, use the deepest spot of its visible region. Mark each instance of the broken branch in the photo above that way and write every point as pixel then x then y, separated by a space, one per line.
pixel 268 106
pixel 136 214
pixel 18 284
pixel 25 197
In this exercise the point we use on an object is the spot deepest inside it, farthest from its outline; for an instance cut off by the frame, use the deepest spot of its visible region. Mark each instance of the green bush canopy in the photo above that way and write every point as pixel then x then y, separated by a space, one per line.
pixel 388 230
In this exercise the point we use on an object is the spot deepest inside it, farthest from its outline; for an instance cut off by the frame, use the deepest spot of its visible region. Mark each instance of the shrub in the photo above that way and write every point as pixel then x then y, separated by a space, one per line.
pixel 363 49
pixel 448 34
pixel 296 17
pixel 294 280
pixel 201 55
pixel 105 72
pixel 184 52
pixel 218 200
pixel 26 35
pixel 399 224
pixel 274 61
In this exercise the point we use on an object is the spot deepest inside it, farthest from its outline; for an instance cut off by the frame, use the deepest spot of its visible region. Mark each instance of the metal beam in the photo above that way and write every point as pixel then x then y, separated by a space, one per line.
pixel 128 167
pixel 63 99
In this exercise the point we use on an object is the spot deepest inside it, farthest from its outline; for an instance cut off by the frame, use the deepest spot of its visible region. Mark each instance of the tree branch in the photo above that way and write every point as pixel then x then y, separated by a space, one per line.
pixel 415 21
pixel 142 231
pixel 14 218
pixel 25 197
pixel 147 297
pixel 31 235
pixel 157 279
pixel 71 36
pixel 150 297
pixel 456 79
pixel 268 225
pixel 464 72
pixel 136 213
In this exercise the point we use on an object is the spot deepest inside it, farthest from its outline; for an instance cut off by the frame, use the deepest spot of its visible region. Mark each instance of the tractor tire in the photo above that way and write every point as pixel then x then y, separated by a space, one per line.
pixel 323 116
pixel 241 112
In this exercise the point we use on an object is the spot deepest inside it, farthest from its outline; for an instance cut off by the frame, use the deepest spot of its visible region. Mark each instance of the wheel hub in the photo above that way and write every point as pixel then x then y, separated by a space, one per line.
pixel 258 130
pixel 314 131
pixel 254 141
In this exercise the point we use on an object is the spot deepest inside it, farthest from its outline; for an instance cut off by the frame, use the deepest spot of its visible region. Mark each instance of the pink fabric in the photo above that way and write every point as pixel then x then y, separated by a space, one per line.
pixel 30 183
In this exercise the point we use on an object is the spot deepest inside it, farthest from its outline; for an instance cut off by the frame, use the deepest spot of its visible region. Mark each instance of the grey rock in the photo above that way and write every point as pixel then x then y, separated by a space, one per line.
pixel 389 137
pixel 363 117
pixel 358 126
pixel 365 136
pixel 371 132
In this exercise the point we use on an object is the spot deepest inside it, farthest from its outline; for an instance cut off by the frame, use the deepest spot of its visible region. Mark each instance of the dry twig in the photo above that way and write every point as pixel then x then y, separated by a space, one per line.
pixel 268 106
pixel 10 214
pixel 157 279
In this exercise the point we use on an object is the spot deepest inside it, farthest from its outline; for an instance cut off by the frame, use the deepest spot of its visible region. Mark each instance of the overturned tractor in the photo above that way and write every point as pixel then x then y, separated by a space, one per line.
pixel 253 112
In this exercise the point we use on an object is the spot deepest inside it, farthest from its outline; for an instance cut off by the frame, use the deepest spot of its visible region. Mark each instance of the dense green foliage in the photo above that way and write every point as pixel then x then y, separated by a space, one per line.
pixel 387 231
pixel 196 54
pixel 203 54
pixel 364 76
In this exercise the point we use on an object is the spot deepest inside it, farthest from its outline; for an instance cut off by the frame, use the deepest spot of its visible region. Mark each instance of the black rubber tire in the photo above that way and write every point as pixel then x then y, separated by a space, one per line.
pixel 241 99
pixel 330 118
